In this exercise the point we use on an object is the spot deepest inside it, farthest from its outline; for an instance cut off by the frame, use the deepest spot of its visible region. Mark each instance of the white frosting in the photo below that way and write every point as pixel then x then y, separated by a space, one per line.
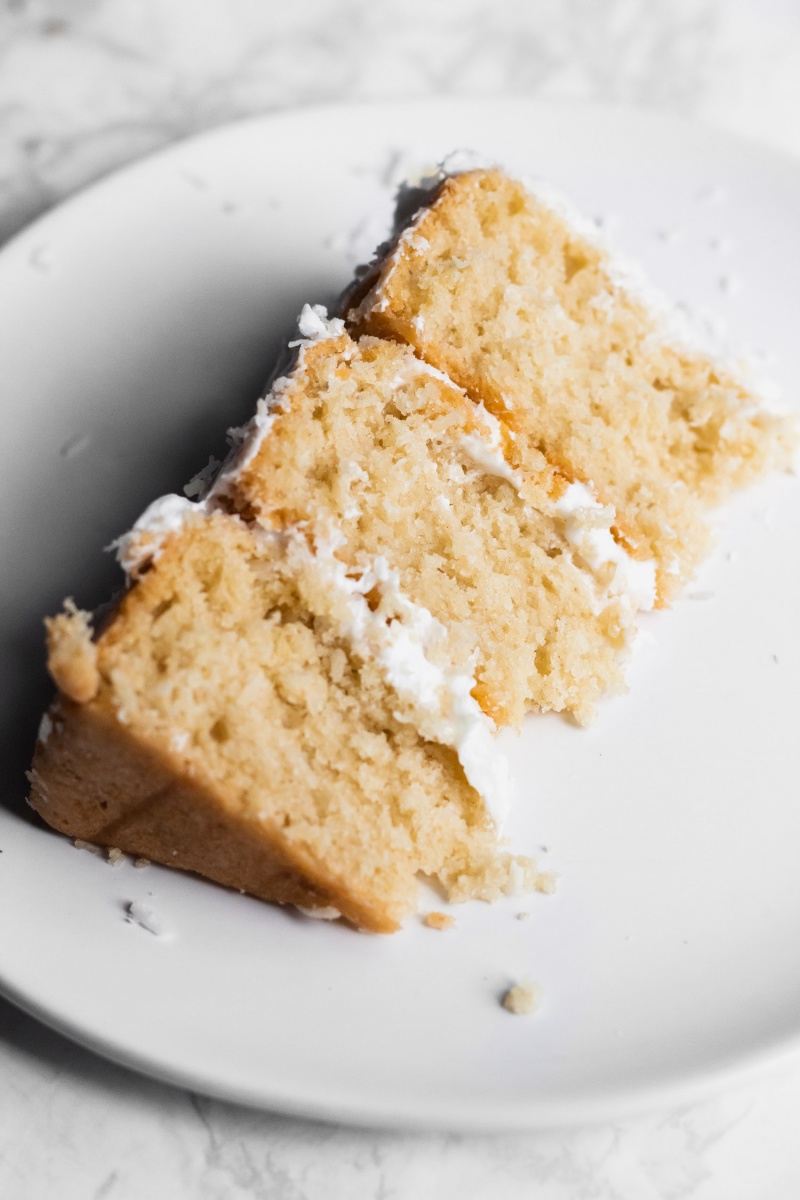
pixel 485 453
pixel 143 542
pixel 402 646
pixel 488 455
pixel 491 462
pixel 45 728
pixel 578 508
pixel 594 544
pixel 585 524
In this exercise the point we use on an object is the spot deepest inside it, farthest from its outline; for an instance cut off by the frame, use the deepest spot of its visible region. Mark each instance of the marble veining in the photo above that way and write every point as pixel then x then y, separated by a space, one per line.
pixel 87 85
pixel 76 1127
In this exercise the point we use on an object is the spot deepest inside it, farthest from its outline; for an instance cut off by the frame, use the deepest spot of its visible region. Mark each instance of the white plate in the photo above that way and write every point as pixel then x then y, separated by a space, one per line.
pixel 137 322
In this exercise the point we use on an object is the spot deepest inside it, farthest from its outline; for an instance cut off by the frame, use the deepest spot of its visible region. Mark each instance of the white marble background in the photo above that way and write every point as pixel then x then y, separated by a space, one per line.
pixel 86 85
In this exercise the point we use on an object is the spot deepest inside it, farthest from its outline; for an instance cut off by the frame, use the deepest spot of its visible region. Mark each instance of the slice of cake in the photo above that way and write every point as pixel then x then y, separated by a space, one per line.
pixel 243 715
pixel 515 298
pixel 298 694
pixel 383 459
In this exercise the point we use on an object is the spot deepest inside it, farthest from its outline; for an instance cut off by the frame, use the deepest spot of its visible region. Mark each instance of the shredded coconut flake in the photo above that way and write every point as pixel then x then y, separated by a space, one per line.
pixel 439 920
pixel 315 326
pixel 594 543
pixel 80 844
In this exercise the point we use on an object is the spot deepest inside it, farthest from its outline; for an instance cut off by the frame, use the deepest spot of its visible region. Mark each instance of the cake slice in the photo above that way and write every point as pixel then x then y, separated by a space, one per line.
pixel 230 720
pixel 517 301
pixel 297 695
pixel 382 458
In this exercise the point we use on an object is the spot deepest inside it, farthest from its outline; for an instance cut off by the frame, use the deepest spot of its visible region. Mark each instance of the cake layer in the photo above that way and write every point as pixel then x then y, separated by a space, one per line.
pixel 524 309
pixel 227 721
pixel 382 458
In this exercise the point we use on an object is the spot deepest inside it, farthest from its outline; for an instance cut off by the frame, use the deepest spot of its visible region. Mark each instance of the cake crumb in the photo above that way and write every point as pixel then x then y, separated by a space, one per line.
pixel 139 863
pixel 114 855
pixel 523 916
pixel 546 882
pixel 522 998
pixel 72 654
pixel 80 844
pixel 439 920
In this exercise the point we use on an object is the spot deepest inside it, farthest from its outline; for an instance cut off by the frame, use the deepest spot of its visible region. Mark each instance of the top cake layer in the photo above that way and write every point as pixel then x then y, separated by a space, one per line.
pixel 529 314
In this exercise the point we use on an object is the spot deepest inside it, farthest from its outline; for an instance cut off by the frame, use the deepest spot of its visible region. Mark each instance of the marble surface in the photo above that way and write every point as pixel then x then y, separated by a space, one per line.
pixel 86 85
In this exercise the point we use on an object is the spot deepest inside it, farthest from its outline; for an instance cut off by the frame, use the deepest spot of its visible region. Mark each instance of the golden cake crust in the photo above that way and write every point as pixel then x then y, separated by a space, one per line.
pixel 92 779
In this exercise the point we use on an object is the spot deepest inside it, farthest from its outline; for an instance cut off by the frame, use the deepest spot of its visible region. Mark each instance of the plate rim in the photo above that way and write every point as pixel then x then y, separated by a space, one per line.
pixel 612 109
pixel 345 1108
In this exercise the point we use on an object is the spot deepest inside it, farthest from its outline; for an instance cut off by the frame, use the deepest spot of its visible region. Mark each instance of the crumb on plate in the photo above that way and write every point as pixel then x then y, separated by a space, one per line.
pixel 80 844
pixel 522 998
pixel 439 920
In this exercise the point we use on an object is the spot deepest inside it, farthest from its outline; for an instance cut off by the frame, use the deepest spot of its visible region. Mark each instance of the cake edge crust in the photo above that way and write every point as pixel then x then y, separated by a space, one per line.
pixel 94 780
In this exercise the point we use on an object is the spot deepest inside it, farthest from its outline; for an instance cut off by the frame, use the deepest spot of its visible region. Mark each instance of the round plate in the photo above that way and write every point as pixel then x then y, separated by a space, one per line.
pixel 139 321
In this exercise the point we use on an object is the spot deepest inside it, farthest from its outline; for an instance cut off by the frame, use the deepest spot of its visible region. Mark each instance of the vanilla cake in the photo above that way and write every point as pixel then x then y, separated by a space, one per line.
pixel 516 299
pixel 298 694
